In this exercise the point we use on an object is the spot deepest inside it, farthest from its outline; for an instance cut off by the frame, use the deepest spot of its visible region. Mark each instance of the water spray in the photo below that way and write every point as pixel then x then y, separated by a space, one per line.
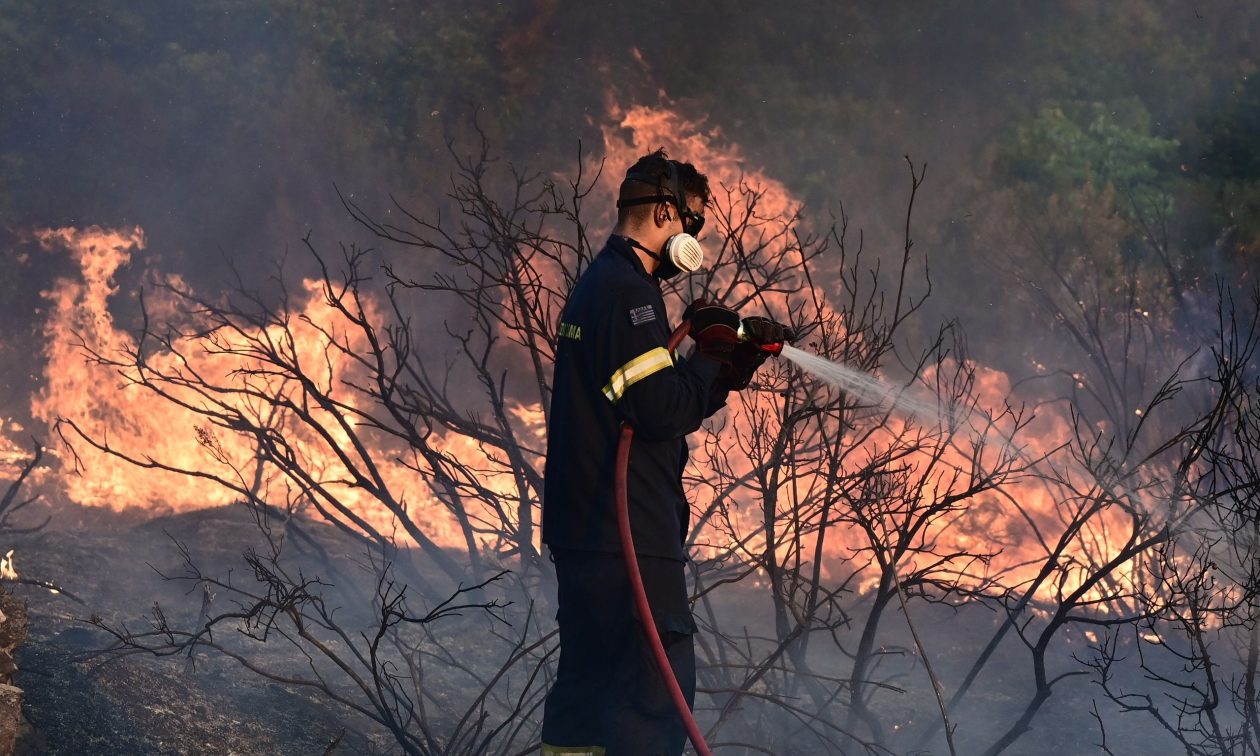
pixel 867 387
pixel 861 385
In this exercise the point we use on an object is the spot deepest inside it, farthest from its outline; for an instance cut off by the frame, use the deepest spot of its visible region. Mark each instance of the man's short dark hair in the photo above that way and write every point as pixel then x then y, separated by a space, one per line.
pixel 650 175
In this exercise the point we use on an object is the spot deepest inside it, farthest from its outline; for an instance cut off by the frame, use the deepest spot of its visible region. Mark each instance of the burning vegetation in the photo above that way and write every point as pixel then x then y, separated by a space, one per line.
pixel 1100 524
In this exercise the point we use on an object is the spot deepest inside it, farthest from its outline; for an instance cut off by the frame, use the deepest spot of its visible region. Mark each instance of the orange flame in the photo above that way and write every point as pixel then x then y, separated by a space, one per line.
pixel 11 453
pixel 108 405
pixel 8 570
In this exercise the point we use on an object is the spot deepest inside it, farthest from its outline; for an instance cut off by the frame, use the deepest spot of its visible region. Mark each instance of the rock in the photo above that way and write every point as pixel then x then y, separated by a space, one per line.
pixel 10 717
pixel 13 624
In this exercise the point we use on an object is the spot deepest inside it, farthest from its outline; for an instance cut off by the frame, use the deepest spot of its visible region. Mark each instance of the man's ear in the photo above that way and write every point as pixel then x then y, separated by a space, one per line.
pixel 662 215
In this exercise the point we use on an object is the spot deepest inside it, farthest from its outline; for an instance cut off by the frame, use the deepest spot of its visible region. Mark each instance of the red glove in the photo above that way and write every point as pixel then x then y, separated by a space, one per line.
pixel 714 328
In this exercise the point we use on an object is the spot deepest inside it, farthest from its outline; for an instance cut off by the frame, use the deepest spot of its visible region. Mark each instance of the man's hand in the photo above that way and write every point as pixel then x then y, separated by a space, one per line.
pixel 764 331
pixel 750 353
pixel 714 328
pixel 738 373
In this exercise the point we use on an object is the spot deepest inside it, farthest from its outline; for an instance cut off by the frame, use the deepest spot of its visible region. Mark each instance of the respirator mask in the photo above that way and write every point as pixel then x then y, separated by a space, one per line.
pixel 681 252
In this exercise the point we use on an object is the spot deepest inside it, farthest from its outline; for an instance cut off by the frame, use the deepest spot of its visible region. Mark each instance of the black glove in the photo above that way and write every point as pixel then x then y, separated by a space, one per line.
pixel 761 331
pixel 735 375
pixel 748 355
pixel 714 328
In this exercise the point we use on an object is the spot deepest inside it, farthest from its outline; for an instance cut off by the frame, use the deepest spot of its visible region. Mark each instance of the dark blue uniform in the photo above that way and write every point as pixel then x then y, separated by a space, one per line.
pixel 613 365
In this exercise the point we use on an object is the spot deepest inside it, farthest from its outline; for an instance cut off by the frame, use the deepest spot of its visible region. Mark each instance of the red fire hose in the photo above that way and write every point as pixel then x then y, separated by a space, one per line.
pixel 642 609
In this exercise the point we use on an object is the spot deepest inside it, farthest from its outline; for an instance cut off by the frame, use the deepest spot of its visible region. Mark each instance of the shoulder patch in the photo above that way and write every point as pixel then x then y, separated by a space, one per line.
pixel 641 315
pixel 570 331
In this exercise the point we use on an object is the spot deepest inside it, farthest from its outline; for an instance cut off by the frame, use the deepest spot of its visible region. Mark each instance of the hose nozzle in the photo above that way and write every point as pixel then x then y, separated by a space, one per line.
pixel 765 334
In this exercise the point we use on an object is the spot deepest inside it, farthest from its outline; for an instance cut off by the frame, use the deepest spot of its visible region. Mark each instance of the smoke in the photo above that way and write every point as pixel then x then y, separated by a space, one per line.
pixel 221 132
pixel 88 310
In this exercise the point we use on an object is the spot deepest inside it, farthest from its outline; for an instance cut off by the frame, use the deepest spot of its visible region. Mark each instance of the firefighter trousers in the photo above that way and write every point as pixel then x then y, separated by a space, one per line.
pixel 608 696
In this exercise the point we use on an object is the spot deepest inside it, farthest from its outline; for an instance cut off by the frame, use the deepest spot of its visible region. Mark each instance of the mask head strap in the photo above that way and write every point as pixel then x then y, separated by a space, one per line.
pixel 692 221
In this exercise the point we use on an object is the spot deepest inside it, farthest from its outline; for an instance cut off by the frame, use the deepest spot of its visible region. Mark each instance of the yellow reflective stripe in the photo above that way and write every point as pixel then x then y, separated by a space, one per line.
pixel 636 370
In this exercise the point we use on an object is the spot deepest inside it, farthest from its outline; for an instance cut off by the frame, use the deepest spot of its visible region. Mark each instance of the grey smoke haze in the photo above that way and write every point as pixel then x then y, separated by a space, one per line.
pixel 221 128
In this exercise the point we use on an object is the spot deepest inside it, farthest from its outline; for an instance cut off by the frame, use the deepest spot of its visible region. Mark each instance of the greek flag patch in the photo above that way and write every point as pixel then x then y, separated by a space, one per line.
pixel 641 315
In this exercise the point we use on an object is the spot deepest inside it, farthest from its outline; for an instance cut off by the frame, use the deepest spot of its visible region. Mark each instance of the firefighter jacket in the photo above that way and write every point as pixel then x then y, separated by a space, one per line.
pixel 613 365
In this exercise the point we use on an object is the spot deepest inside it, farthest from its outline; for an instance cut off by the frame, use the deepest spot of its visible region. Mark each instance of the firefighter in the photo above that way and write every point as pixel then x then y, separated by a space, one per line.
pixel 613 365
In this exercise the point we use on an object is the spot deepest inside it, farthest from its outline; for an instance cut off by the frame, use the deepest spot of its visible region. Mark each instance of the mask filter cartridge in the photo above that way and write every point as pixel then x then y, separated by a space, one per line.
pixel 685 252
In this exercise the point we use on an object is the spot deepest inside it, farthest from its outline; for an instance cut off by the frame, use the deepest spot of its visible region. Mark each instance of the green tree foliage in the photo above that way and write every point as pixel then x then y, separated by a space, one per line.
pixel 1066 148
pixel 402 63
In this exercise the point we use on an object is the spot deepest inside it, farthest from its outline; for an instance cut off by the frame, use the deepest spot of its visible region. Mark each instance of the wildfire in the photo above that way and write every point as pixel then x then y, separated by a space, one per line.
pixel 107 403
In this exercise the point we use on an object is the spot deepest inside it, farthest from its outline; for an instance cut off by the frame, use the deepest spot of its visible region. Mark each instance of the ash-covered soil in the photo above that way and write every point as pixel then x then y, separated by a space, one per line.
pixel 79 702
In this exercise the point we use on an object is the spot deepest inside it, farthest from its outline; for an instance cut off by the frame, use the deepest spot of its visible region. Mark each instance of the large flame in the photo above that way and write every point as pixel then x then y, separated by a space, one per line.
pixel 108 405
